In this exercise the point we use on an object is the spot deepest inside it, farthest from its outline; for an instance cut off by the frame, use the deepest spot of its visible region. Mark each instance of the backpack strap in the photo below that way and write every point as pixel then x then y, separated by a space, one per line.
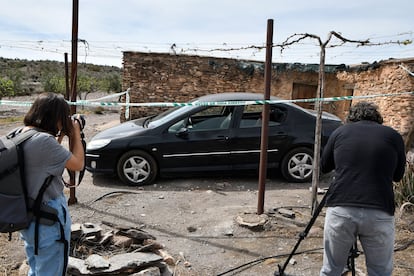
pixel 49 214
pixel 19 136
pixel 36 210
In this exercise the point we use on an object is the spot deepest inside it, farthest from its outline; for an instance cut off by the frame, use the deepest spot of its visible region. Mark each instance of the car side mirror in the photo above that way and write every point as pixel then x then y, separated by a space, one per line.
pixel 182 132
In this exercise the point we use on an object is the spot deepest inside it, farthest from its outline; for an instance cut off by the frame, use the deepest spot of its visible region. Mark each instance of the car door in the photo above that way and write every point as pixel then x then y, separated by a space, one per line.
pixel 198 141
pixel 246 141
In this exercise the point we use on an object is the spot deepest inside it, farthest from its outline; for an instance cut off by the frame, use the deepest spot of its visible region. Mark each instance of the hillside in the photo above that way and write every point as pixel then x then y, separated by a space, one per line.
pixel 24 77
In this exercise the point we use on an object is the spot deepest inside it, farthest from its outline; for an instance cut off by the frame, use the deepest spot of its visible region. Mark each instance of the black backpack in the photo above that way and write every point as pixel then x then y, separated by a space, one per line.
pixel 16 212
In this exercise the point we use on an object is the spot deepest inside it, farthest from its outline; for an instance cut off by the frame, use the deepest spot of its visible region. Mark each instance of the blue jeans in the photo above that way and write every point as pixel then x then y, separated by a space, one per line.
pixel 50 258
pixel 375 229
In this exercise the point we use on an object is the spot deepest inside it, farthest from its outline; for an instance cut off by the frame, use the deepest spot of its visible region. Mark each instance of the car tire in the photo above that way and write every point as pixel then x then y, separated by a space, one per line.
pixel 137 168
pixel 297 165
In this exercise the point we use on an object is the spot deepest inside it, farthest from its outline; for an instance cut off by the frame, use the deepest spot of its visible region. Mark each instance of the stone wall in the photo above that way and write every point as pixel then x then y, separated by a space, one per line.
pixel 155 77
pixel 179 78
pixel 387 77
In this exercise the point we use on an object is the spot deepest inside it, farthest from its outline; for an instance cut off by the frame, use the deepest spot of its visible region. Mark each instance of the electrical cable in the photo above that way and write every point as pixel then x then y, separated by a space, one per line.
pixel 114 192
pixel 257 261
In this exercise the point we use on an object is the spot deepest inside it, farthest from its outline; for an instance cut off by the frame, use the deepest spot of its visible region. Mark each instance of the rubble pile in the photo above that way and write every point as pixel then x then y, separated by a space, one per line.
pixel 119 251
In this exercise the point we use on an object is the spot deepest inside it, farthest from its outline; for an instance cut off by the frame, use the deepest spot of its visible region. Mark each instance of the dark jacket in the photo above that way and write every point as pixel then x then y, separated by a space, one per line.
pixel 367 157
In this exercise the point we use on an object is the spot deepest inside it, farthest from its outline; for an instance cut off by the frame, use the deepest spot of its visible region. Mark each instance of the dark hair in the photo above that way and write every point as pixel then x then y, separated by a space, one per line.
pixel 49 112
pixel 364 111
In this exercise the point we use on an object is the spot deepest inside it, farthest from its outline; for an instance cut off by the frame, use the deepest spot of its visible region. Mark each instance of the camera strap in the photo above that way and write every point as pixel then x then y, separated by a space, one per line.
pixel 81 172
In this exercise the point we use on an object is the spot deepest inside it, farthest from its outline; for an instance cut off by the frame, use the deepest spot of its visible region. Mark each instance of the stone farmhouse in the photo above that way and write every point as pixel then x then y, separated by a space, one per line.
pixel 161 77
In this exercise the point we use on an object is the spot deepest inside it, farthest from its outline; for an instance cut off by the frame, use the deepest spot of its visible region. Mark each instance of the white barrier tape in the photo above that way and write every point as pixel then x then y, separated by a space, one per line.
pixel 127 101
pixel 15 103
pixel 406 69
pixel 116 95
pixel 127 104
pixel 331 99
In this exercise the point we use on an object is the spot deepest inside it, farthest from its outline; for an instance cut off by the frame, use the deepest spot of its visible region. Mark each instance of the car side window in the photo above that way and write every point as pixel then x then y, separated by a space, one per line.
pixel 177 126
pixel 210 118
pixel 252 116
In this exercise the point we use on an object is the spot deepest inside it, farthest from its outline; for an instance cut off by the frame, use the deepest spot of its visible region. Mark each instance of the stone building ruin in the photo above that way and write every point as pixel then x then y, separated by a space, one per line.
pixel 160 77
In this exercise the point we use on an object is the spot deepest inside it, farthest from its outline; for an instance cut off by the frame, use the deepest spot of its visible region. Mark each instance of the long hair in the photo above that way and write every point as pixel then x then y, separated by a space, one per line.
pixel 364 111
pixel 51 113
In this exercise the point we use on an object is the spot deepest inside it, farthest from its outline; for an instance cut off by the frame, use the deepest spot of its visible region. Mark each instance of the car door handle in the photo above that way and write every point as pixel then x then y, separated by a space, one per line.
pixel 223 137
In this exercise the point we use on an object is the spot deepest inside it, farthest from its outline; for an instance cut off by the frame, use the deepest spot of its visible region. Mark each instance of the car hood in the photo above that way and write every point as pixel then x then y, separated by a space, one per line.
pixel 122 130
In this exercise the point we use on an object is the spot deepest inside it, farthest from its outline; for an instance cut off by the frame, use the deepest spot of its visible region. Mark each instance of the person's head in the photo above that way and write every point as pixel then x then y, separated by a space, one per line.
pixel 51 113
pixel 364 111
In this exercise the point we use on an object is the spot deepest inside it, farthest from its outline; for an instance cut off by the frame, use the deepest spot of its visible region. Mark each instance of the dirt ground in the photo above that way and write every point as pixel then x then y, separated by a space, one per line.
pixel 196 220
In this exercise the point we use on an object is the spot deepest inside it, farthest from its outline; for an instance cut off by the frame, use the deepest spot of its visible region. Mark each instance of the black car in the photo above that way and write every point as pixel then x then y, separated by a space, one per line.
pixel 209 138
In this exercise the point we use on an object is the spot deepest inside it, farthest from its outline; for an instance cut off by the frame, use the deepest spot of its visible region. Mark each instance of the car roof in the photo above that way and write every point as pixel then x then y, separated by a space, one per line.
pixel 233 96
pixel 250 96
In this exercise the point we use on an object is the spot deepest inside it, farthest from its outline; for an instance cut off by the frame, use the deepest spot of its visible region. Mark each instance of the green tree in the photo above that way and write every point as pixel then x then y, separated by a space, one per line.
pixel 113 83
pixel 6 88
pixel 54 83
pixel 17 77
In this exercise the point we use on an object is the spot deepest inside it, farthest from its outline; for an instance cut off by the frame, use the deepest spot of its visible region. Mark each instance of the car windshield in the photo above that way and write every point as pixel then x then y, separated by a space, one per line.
pixel 167 115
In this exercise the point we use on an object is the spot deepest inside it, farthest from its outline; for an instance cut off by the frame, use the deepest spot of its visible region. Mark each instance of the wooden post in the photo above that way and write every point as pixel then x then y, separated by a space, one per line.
pixel 318 128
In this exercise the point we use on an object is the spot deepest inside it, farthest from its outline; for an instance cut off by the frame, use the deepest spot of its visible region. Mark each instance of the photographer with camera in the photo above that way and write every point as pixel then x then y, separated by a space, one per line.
pixel 367 157
pixel 47 242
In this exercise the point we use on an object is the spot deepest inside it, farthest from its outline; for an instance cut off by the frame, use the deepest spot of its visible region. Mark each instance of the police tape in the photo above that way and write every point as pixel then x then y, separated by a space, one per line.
pixel 225 103
pixel 99 102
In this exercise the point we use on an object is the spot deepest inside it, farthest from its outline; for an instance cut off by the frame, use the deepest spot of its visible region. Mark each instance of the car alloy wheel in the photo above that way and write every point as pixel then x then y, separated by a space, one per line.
pixel 136 168
pixel 297 166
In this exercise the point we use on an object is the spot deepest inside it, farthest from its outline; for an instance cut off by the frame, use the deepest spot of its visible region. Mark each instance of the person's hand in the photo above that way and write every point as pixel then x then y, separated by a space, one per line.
pixel 80 119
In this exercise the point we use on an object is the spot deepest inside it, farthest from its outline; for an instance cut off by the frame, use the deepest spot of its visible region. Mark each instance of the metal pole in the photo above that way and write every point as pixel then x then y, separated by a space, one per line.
pixel 74 67
pixel 67 89
pixel 265 119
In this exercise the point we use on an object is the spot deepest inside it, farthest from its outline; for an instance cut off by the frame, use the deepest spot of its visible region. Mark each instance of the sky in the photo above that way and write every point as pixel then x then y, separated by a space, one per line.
pixel 42 29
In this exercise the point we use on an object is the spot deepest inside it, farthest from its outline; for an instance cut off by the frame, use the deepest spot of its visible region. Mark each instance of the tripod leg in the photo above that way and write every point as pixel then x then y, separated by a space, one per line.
pixel 353 253
pixel 302 235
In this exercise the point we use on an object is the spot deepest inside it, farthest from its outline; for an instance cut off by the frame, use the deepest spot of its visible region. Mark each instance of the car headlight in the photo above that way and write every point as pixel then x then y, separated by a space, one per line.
pixel 97 144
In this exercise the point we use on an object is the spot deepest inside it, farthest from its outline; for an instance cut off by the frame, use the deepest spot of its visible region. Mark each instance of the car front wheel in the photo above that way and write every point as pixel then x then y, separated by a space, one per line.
pixel 137 168
pixel 297 166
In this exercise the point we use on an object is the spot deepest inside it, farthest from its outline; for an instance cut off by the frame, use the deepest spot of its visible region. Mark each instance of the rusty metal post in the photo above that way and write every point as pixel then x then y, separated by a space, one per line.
pixel 67 89
pixel 265 119
pixel 74 67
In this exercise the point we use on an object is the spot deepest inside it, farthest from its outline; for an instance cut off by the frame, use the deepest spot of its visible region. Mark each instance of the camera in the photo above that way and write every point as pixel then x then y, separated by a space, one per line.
pixel 80 119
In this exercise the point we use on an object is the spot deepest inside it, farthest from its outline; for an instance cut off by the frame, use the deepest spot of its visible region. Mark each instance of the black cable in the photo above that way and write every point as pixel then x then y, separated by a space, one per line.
pixel 257 261
pixel 115 192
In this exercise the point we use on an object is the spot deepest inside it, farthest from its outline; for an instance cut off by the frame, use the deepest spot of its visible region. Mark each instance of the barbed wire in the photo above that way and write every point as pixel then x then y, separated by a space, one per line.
pixel 303 49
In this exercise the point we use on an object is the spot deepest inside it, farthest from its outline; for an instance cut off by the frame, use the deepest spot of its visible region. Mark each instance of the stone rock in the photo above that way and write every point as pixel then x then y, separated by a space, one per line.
pixel 286 213
pixel 152 271
pixel 95 261
pixel 122 241
pixel 90 229
pixel 252 221
pixel 76 231
pixel 118 264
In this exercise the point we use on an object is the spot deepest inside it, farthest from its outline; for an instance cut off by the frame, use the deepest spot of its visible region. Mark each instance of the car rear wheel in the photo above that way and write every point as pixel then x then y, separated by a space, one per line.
pixel 137 168
pixel 297 166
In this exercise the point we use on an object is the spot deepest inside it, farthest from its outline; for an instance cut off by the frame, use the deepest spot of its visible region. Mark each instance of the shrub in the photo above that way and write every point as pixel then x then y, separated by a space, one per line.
pixel 404 190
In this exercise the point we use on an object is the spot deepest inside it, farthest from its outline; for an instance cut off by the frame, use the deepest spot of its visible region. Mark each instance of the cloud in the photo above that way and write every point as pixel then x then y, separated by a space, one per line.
pixel 154 25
